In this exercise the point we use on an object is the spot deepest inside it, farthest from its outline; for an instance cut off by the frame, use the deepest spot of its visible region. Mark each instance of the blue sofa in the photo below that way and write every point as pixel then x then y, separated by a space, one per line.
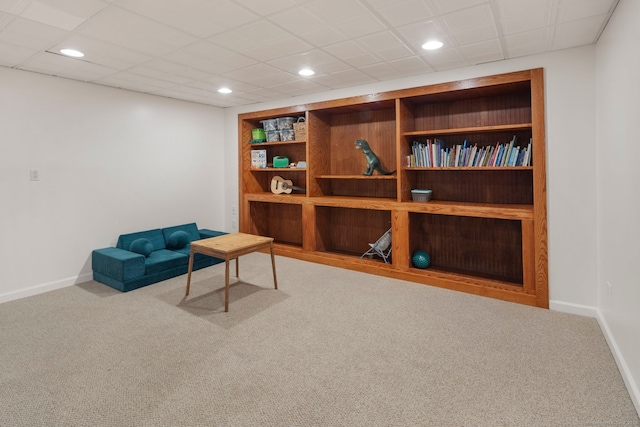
pixel 146 257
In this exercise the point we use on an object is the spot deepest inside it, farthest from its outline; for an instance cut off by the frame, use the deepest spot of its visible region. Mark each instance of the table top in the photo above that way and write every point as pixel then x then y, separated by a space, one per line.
pixel 231 243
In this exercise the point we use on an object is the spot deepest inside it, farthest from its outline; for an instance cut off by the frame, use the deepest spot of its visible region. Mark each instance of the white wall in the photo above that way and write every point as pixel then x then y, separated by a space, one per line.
pixel 570 117
pixel 110 162
pixel 618 178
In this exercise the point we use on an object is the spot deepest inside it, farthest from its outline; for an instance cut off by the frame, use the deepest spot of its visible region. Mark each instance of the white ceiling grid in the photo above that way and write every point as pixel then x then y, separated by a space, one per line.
pixel 188 49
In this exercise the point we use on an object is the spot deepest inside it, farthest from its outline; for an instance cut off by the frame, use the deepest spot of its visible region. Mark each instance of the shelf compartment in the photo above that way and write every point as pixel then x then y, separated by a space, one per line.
pixel 282 221
pixel 496 105
pixel 479 210
pixel 379 186
pixel 487 248
pixel 259 180
pixel 503 186
pixel 349 231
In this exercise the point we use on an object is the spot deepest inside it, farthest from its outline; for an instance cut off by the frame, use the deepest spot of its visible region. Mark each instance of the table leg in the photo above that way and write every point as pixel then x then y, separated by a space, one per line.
pixel 273 266
pixel 237 266
pixel 226 285
pixel 190 269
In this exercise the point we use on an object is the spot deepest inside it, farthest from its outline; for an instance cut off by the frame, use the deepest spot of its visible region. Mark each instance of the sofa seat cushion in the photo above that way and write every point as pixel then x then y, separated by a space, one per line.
pixel 164 260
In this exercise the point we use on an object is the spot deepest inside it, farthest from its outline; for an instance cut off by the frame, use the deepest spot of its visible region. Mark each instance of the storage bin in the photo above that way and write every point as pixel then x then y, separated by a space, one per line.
pixel 270 124
pixel 273 135
pixel 287 135
pixel 418 195
pixel 285 122
pixel 300 129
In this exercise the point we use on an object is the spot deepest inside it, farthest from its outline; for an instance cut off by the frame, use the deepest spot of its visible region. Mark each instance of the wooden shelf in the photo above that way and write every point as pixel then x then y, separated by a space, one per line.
pixel 371 177
pixel 471 168
pixel 485 227
pixel 272 143
pixel 469 130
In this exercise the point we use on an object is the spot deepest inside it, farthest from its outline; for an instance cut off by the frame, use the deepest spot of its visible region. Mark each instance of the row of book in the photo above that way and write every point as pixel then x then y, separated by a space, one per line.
pixel 434 153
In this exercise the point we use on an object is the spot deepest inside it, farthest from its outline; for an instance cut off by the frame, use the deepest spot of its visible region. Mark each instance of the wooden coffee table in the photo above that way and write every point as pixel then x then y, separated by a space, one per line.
pixel 228 247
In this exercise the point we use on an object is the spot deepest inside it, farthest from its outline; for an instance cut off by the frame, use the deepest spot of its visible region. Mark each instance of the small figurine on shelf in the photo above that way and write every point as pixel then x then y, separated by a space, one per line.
pixel 373 162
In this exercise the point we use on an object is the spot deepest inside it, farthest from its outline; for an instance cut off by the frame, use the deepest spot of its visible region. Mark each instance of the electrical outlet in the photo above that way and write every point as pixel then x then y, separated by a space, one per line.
pixel 609 289
pixel 34 175
pixel 233 223
pixel 234 210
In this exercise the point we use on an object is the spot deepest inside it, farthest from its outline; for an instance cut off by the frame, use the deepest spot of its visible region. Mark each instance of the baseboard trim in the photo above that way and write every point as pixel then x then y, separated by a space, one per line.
pixel 632 387
pixel 589 311
pixel 45 287
pixel 579 309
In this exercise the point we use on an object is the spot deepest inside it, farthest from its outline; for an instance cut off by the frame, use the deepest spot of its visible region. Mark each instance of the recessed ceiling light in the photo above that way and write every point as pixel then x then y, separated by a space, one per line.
pixel 306 72
pixel 72 52
pixel 432 44
pixel 224 90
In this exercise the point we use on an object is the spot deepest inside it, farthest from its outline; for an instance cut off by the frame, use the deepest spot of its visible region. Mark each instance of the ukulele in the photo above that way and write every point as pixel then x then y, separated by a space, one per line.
pixel 280 185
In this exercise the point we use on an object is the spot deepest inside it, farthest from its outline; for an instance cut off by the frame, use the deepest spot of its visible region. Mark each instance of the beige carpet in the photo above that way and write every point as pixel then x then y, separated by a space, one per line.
pixel 332 347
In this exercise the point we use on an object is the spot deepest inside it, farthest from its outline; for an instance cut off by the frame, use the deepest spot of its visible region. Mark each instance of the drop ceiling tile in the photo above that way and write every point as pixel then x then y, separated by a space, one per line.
pixel 30 34
pixel 209 57
pixel 298 21
pixel 126 80
pixel 321 37
pixel 5 20
pixel 417 34
pixel 471 25
pixel 266 8
pixel 380 71
pixel 444 59
pixel 299 87
pixel 344 79
pixel 11 55
pixel 577 33
pixel 571 10
pixel 446 6
pixel 359 26
pixel 46 14
pixel 527 43
pixel 518 16
pixel 261 75
pixel 197 17
pixel 336 11
pixel 168 71
pixel 14 6
pixel 486 51
pixel 398 13
pixel 62 66
pixel 121 59
pixel 381 40
pixel 131 31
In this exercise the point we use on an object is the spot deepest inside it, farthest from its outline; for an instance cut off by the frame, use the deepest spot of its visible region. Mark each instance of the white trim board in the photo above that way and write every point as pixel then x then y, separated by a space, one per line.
pixel 45 287
pixel 589 311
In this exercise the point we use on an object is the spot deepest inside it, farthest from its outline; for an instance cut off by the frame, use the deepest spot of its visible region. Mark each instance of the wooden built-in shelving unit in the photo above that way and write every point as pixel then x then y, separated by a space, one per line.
pixel 485 227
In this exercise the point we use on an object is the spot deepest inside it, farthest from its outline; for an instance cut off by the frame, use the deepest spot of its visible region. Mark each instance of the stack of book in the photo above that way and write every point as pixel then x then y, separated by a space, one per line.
pixel 434 153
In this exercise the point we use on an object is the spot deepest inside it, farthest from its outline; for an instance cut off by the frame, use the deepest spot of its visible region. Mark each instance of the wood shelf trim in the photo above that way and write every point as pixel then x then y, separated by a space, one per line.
pixel 471 168
pixel 297 199
pixel 276 169
pixel 481 210
pixel 477 129
pixel 272 143
pixel 357 177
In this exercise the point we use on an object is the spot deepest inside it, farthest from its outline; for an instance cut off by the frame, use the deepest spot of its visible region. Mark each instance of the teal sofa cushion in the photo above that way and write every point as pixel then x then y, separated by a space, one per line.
pixel 154 236
pixel 164 260
pixel 141 246
pixel 178 240
pixel 191 229
pixel 118 264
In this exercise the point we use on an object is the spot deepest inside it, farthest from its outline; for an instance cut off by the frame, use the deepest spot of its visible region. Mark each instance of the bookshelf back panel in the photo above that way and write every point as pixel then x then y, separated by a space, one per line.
pixel 485 247
pixel 349 231
pixel 374 188
pixel 281 221
pixel 510 186
pixel 512 108
pixel 377 127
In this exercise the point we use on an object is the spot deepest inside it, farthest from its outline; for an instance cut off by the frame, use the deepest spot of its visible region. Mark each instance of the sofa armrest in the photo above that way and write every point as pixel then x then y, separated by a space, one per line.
pixel 118 264
pixel 205 233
